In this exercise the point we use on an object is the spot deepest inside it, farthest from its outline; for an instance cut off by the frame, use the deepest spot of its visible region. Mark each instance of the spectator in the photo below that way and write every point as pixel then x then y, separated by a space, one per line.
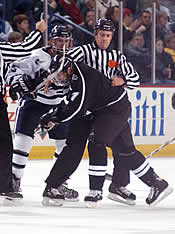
pixel 53 8
pixel 159 7
pixel 103 5
pixel 14 37
pixel 161 26
pixel 129 26
pixel 89 22
pixel 164 64
pixel 21 24
pixel 86 5
pixel 140 57
pixel 136 6
pixel 170 4
pixel 5 27
pixel 112 14
pixel 170 45
pixel 144 26
pixel 25 7
pixel 72 9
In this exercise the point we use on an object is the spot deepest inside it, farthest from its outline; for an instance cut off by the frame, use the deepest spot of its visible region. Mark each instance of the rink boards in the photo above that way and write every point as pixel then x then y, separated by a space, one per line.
pixel 152 122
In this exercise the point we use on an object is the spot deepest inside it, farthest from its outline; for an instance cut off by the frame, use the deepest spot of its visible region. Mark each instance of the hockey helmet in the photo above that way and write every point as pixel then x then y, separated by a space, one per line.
pixel 60 31
pixel 105 24
pixel 60 65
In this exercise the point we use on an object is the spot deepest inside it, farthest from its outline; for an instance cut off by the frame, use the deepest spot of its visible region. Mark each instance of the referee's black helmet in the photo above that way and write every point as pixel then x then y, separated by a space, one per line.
pixel 105 24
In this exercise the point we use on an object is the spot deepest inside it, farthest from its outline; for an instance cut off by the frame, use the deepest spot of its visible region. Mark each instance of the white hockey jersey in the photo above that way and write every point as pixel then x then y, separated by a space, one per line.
pixel 35 65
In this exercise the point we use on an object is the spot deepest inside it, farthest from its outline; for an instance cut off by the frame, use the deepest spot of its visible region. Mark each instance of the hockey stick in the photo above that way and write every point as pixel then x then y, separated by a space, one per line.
pixel 51 76
pixel 160 147
pixel 109 177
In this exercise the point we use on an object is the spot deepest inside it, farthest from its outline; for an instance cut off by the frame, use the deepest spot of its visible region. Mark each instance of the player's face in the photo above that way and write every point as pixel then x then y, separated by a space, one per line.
pixel 103 39
pixel 59 43
pixel 62 77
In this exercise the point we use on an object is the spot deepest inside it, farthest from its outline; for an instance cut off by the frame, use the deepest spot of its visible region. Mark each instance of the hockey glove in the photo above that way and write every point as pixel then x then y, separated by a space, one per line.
pixel 21 87
pixel 49 120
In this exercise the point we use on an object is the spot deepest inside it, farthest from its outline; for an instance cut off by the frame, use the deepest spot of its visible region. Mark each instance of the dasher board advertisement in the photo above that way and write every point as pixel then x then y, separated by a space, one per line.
pixel 152 120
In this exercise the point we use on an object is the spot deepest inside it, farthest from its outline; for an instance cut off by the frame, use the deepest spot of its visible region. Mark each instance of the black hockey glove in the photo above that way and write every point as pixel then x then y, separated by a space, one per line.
pixel 173 101
pixel 50 119
pixel 21 87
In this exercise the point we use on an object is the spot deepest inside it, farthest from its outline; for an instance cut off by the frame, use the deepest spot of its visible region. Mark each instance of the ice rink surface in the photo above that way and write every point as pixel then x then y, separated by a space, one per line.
pixel 110 217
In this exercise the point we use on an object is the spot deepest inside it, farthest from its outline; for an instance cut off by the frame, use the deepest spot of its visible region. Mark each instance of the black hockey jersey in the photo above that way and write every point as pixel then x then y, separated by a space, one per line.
pixel 90 92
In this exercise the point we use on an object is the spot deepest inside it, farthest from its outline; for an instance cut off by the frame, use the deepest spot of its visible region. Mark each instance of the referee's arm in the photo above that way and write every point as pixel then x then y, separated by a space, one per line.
pixel 13 51
pixel 129 78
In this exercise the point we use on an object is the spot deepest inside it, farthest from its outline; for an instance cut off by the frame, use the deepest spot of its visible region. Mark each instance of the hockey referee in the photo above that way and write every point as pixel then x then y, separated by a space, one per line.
pixel 9 53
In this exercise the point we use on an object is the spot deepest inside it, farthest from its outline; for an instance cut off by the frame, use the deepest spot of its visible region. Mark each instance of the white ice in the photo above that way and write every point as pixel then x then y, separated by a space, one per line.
pixel 74 218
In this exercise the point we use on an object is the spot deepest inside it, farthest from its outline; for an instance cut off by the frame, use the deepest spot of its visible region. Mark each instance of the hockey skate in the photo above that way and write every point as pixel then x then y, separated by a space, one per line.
pixel 69 194
pixel 92 198
pixel 52 197
pixel 159 191
pixel 11 196
pixel 121 194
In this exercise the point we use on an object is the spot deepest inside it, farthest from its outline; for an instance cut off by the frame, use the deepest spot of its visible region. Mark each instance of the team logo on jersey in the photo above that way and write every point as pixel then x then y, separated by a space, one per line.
pixel 74 77
pixel 74 95
pixel 112 64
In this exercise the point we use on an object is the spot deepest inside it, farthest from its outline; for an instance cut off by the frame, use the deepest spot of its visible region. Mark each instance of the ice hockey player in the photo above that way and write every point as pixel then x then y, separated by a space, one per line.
pixel 110 109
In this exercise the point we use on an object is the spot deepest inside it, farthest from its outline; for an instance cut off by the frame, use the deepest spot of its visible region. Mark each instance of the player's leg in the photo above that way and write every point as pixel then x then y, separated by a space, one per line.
pixel 159 188
pixel 67 161
pixel 27 119
pixel 59 134
pixel 132 159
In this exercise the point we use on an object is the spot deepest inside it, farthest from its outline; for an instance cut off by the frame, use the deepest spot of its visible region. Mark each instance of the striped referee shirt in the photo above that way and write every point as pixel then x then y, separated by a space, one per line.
pixel 110 62
pixel 11 52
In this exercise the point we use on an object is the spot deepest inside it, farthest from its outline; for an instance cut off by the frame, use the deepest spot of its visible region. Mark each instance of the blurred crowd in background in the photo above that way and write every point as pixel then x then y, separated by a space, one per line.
pixel 18 19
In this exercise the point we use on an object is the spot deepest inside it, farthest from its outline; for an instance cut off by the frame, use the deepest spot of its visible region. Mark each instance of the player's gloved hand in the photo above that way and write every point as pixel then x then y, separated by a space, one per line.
pixel 173 101
pixel 22 86
pixel 49 120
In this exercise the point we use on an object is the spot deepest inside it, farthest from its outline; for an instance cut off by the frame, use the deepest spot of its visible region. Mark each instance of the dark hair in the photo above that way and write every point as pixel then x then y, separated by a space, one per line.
pixel 110 12
pixel 14 37
pixel 144 11
pixel 17 19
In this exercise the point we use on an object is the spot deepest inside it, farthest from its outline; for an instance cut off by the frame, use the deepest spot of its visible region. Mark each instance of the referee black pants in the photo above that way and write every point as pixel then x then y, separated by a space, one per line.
pixel 6 149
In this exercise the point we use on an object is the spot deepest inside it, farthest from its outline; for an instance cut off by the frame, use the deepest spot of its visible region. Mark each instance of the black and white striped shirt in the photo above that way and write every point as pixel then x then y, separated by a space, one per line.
pixel 110 62
pixel 11 52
